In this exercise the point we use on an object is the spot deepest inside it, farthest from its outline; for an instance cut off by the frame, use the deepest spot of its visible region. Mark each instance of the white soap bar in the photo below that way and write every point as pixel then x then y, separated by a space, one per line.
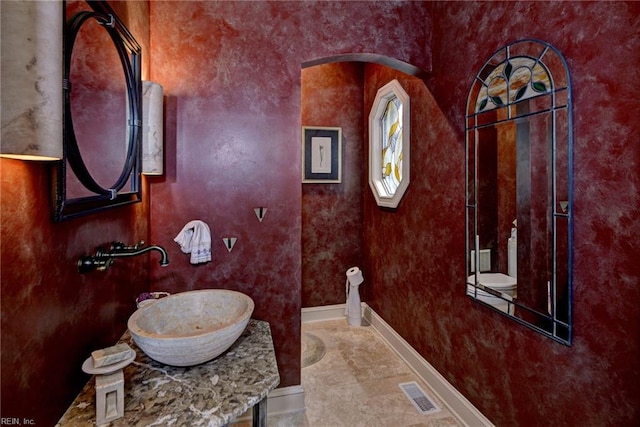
pixel 110 355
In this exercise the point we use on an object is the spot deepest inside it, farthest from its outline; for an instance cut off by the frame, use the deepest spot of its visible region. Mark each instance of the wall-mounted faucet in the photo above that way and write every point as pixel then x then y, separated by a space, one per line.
pixel 103 259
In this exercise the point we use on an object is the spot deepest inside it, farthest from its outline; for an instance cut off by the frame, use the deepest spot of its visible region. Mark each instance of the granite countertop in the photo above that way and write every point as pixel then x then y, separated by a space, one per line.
pixel 211 394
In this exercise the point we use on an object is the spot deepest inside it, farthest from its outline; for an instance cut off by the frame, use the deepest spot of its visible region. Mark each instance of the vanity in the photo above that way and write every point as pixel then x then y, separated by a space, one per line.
pixel 213 393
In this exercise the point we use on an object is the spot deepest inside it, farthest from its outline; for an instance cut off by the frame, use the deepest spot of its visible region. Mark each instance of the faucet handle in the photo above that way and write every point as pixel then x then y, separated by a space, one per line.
pixel 119 246
pixel 86 264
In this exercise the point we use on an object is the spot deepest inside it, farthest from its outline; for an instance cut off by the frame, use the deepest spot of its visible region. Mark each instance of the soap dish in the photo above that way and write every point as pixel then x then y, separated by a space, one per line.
pixel 150 297
pixel 88 367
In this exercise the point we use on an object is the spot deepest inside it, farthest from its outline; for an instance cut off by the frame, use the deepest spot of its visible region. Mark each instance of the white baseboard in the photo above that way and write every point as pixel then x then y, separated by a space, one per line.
pixel 284 400
pixel 325 312
pixel 456 402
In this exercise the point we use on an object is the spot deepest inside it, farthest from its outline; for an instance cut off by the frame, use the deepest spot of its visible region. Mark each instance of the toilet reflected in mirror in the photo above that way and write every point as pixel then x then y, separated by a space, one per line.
pixel 506 284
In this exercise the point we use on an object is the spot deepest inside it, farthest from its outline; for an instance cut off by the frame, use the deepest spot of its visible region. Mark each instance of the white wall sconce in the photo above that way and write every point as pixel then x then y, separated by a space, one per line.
pixel 31 79
pixel 152 133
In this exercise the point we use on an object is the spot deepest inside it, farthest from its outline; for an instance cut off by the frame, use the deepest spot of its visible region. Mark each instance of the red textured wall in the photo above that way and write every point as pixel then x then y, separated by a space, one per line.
pixel 231 73
pixel 53 317
pixel 332 232
pixel 512 374
pixel 414 251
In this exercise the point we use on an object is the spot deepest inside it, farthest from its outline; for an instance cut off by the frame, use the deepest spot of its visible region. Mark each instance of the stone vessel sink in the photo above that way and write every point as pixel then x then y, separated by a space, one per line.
pixel 190 328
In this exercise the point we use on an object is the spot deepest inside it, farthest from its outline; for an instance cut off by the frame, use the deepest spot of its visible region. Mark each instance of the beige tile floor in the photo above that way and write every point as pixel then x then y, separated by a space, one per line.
pixel 350 377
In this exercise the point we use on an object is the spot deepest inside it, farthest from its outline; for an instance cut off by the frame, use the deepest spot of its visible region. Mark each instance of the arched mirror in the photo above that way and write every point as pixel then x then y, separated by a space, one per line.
pixel 103 110
pixel 519 187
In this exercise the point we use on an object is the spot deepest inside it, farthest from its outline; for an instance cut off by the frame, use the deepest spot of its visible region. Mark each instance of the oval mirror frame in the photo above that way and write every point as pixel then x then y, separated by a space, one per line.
pixel 519 187
pixel 126 187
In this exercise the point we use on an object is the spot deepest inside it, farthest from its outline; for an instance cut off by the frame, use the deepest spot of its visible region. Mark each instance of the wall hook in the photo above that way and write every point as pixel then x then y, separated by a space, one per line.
pixel 229 242
pixel 260 213
pixel 564 204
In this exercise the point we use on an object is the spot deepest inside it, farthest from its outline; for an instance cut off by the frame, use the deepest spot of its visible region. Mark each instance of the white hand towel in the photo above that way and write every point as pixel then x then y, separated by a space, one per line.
pixel 195 239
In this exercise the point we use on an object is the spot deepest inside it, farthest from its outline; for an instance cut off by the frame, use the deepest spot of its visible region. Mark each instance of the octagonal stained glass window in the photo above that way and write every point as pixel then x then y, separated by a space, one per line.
pixel 389 138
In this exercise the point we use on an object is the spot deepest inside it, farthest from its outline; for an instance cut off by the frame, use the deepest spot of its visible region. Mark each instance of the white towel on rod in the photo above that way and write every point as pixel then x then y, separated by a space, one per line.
pixel 195 239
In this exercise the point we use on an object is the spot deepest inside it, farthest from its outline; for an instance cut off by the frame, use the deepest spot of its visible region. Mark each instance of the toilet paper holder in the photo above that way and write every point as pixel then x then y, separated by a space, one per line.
pixel 353 309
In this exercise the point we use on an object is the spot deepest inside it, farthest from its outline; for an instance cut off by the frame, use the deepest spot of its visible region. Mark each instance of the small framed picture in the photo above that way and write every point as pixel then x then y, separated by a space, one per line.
pixel 321 155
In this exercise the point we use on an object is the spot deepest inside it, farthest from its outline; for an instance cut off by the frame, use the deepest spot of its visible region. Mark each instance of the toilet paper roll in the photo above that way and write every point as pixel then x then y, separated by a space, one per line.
pixel 354 276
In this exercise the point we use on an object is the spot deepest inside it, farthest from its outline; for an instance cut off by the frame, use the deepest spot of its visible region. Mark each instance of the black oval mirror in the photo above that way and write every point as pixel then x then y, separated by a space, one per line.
pixel 103 109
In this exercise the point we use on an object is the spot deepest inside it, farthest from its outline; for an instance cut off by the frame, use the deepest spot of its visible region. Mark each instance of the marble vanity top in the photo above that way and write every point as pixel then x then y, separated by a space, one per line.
pixel 211 394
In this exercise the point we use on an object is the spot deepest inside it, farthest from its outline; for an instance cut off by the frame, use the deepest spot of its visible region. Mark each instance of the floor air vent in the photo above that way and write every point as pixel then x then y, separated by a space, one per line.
pixel 423 403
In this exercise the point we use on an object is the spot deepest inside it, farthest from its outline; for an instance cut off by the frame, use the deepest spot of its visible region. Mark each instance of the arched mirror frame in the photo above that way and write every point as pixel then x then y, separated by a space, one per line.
pixel 126 188
pixel 520 83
